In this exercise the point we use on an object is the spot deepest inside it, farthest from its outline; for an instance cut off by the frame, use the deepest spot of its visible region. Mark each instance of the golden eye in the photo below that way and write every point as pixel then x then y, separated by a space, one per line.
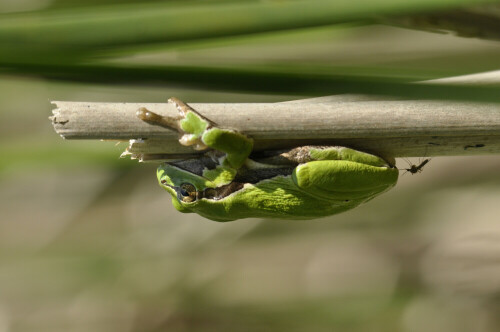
pixel 187 193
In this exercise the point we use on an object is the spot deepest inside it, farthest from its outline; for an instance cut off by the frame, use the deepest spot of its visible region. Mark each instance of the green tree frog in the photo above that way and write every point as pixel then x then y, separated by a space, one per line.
pixel 231 182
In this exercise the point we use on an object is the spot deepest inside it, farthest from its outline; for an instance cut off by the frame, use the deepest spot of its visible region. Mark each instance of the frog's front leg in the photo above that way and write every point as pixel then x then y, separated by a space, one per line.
pixel 200 132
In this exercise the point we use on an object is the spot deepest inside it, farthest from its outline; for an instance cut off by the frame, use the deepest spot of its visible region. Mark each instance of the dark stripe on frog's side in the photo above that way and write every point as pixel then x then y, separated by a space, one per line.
pixel 223 191
pixel 211 193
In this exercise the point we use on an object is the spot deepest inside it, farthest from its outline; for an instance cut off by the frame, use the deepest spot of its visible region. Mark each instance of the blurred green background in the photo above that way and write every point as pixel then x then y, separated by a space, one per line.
pixel 90 242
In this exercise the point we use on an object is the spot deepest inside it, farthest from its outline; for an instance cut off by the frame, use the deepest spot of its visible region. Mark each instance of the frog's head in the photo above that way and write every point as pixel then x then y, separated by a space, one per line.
pixel 217 192
pixel 199 185
pixel 186 187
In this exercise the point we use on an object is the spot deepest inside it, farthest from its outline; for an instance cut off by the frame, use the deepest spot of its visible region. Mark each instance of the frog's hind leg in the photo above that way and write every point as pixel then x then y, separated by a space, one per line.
pixel 318 153
pixel 307 153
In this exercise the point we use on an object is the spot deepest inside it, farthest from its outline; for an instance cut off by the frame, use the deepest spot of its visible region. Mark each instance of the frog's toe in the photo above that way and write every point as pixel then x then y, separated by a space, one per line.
pixel 181 106
pixel 155 119
pixel 192 140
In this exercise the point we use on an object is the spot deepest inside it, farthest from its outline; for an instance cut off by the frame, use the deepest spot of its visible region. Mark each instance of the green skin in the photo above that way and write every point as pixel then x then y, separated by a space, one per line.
pixel 302 183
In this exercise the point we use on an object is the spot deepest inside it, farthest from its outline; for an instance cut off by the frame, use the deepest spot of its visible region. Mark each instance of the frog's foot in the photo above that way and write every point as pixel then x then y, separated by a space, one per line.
pixel 190 124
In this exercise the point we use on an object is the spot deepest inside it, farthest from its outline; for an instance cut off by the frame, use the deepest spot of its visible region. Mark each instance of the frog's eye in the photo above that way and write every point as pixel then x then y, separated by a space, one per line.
pixel 187 193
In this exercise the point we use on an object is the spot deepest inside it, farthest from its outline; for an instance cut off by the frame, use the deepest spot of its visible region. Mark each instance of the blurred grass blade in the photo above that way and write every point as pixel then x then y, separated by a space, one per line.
pixel 256 81
pixel 482 22
pixel 99 27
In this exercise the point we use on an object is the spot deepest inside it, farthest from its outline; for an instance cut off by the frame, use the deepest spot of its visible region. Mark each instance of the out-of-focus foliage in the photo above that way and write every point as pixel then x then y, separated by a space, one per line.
pixel 89 242
pixel 78 43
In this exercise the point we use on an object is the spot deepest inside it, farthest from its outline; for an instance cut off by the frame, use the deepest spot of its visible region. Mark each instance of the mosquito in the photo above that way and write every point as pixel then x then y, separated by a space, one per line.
pixel 414 169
